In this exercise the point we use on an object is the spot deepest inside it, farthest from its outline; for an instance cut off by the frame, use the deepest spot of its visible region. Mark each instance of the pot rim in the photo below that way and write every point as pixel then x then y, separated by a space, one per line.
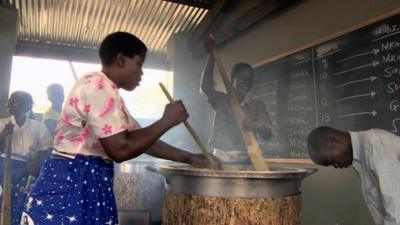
pixel 274 173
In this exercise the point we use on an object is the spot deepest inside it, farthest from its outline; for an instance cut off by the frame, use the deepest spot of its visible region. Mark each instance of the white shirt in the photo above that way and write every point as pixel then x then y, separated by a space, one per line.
pixel 30 137
pixel 377 160
pixel 93 110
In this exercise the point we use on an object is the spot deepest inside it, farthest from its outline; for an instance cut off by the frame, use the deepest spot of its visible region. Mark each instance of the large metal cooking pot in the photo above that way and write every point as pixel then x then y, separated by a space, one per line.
pixel 233 181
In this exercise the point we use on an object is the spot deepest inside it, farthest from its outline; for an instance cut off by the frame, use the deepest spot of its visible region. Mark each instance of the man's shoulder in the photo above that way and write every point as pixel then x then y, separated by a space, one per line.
pixel 47 114
pixel 376 132
pixel 50 114
pixel 4 121
pixel 365 135
pixel 36 124
pixel 377 137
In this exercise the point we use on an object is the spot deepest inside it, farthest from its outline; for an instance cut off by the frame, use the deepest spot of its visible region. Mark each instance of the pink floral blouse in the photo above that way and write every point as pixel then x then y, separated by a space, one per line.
pixel 92 110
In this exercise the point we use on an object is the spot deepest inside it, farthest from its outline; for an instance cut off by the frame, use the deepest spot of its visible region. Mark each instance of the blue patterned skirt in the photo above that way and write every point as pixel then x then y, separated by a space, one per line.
pixel 19 176
pixel 72 191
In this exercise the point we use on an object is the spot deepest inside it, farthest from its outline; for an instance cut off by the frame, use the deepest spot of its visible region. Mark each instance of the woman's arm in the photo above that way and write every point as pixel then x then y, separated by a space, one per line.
pixel 127 145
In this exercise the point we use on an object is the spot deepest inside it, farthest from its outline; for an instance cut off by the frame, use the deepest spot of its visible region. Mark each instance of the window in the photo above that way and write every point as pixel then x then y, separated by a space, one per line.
pixel 33 75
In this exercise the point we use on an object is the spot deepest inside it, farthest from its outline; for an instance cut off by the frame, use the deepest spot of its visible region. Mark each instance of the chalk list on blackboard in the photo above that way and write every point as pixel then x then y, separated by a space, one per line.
pixel 266 90
pixel 284 88
pixel 356 85
pixel 351 82
pixel 300 105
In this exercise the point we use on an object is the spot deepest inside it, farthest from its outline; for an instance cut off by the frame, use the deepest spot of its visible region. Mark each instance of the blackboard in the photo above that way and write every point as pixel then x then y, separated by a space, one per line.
pixel 349 82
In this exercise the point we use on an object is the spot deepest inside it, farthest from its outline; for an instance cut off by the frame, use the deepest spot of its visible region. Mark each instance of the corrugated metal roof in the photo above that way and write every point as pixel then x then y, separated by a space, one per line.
pixel 84 23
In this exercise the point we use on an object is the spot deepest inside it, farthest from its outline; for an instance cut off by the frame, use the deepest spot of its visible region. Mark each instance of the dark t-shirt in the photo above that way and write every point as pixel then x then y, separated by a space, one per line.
pixel 226 133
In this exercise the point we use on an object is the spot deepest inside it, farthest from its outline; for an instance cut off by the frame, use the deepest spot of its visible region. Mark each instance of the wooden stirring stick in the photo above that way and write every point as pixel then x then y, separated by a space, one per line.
pixel 249 138
pixel 6 204
pixel 210 160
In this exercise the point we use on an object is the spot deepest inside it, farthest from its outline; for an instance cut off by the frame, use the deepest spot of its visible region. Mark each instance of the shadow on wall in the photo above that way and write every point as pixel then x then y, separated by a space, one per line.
pixel 333 197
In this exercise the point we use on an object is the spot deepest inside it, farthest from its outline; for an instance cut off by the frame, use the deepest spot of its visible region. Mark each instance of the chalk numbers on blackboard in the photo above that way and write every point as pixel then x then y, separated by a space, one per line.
pixel 394 106
pixel 325 118
pixel 324 76
pixel 324 64
pixel 324 101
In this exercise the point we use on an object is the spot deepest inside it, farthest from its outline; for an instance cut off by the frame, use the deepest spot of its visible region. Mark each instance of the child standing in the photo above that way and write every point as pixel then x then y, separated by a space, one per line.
pixel 28 142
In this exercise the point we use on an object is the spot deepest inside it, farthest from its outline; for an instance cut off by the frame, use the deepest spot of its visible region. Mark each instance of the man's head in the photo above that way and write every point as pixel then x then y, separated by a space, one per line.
pixel 328 146
pixel 19 103
pixel 242 79
pixel 122 56
pixel 55 94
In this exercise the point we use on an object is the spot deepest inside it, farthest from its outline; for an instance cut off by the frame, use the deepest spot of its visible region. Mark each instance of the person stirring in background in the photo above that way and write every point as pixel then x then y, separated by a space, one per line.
pixel 28 140
pixel 94 131
pixel 226 137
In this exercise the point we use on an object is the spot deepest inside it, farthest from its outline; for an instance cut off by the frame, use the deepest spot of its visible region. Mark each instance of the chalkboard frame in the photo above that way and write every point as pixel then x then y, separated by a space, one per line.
pixel 310 45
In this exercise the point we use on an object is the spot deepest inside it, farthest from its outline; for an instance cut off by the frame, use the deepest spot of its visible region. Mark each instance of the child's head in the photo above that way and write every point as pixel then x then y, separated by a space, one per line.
pixel 122 56
pixel 242 78
pixel 55 94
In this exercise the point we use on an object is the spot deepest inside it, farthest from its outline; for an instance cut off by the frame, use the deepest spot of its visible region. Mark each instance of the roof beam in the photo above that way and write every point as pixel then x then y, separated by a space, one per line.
pixel 198 4
pixel 248 18
pixel 207 21
pixel 7 4
pixel 200 33
pixel 244 21
pixel 87 55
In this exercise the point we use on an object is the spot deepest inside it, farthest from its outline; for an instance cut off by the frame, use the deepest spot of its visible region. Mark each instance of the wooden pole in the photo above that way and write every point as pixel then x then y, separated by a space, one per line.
pixel 6 204
pixel 210 160
pixel 249 138
pixel 74 74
